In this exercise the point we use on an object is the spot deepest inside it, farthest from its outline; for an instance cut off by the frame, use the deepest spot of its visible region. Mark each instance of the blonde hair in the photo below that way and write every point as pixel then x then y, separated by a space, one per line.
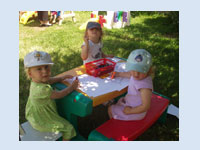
pixel 151 72
pixel 27 74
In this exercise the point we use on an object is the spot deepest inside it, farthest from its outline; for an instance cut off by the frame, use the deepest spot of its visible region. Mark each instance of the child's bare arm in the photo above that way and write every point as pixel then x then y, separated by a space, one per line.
pixel 146 102
pixel 85 49
pixel 59 79
pixel 103 55
pixel 109 55
pixel 123 74
pixel 66 91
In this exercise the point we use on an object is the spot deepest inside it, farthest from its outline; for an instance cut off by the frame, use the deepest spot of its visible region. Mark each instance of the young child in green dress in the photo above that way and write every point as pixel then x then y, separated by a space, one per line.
pixel 41 109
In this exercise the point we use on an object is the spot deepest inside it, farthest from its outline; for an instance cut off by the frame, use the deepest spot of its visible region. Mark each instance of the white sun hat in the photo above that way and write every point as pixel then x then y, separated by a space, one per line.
pixel 37 58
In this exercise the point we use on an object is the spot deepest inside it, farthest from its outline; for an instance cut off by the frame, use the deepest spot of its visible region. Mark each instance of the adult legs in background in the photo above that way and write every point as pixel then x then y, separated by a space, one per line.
pixel 43 18
pixel 60 17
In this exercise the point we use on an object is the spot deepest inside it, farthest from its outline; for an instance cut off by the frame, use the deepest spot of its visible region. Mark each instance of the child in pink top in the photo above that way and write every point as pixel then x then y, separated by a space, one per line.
pixel 138 99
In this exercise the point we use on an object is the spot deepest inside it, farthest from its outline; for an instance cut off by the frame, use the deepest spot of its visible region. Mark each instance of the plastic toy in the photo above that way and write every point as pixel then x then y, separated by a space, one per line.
pixel 119 130
pixel 67 15
pixel 94 14
pixel 101 20
pixel 99 67
pixel 94 17
pixel 26 16
pixel 72 106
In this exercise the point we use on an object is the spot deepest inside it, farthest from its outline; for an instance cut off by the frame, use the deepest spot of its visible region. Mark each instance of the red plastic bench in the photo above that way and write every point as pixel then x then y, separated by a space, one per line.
pixel 129 130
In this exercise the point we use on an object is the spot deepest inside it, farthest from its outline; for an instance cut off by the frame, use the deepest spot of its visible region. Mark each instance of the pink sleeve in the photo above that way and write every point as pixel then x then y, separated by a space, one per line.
pixel 145 83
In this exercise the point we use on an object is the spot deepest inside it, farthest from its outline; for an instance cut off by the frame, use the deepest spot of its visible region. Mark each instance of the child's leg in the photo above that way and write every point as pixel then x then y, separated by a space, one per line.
pixel 61 17
pixel 54 19
pixel 110 112
pixel 109 103
pixel 68 132
pixel 65 140
pixel 51 18
pixel 60 21
pixel 41 22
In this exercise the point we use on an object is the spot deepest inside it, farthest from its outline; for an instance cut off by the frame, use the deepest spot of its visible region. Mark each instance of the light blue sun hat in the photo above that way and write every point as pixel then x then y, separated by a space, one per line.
pixel 139 60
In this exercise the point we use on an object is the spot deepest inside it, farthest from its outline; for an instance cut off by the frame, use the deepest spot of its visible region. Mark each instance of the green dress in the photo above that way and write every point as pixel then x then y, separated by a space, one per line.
pixel 42 114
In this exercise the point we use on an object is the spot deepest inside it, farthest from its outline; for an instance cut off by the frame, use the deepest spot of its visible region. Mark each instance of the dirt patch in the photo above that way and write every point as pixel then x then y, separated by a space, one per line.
pixel 39 28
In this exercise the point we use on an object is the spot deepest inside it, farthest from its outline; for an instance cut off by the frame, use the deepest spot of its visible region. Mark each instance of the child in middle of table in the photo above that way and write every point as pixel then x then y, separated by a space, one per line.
pixel 92 46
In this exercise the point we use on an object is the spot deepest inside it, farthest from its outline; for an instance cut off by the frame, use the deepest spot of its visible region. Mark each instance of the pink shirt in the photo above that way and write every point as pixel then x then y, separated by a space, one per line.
pixel 132 98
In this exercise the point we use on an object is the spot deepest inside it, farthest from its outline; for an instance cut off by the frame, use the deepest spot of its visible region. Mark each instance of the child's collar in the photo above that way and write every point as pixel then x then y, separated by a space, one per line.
pixel 94 43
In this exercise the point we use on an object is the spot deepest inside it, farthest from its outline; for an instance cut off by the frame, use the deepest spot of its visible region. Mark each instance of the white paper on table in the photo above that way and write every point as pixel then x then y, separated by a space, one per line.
pixel 173 110
pixel 120 67
pixel 70 80
pixel 114 59
pixel 95 86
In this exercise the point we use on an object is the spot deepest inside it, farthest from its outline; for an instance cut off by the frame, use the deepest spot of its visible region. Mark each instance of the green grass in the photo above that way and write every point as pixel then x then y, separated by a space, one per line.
pixel 154 32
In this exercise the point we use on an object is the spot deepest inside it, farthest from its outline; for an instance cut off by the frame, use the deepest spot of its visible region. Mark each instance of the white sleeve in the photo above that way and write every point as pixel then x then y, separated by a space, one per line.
pixel 101 45
pixel 83 44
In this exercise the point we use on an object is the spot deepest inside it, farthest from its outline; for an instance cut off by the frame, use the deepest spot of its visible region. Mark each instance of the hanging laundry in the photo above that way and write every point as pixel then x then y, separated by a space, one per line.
pixel 120 15
pixel 124 16
pixel 115 16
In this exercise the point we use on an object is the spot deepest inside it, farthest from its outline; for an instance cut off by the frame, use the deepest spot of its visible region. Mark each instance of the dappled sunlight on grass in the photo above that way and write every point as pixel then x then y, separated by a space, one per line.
pixel 154 32
pixel 151 32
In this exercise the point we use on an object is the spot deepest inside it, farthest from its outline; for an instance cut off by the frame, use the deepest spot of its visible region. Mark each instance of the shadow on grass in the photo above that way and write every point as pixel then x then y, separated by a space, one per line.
pixel 33 22
pixel 155 36
pixel 162 25
pixel 163 45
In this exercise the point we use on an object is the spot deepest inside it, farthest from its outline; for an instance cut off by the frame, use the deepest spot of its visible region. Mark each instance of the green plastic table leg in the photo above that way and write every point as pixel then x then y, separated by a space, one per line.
pixel 73 105
pixel 96 136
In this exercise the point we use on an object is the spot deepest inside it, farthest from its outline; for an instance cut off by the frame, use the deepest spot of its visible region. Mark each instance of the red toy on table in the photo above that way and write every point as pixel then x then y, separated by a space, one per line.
pixel 99 67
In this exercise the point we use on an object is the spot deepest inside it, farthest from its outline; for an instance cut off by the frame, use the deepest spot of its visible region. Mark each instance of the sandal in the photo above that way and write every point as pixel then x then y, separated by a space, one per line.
pixel 46 25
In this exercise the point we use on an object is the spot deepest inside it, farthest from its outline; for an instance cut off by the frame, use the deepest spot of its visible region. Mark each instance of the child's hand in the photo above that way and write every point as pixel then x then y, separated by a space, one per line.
pixel 67 77
pixel 75 84
pixel 114 74
pixel 86 38
pixel 127 110
pixel 110 55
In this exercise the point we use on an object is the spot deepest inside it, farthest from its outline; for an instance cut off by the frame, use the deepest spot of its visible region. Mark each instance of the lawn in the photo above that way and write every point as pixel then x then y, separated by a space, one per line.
pixel 154 31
